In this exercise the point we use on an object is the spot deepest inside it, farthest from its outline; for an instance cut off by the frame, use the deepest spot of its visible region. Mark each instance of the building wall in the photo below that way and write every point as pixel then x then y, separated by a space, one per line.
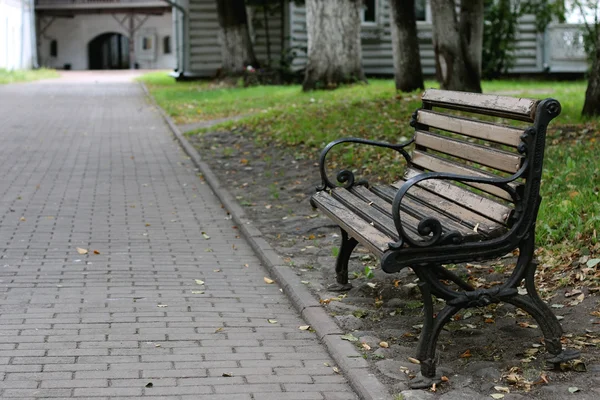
pixel 205 41
pixel 16 46
pixel 74 34
pixel 377 42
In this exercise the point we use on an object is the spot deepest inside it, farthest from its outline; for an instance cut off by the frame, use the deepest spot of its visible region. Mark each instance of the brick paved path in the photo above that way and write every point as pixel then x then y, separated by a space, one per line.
pixel 93 166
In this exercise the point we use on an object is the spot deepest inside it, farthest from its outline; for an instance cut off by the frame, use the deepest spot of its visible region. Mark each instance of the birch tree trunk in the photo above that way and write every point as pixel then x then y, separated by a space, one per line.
pixel 591 107
pixel 405 44
pixel 334 48
pixel 236 47
pixel 458 44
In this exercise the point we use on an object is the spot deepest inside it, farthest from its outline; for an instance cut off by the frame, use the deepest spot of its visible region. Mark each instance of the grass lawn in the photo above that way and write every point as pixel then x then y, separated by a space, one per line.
pixel 569 219
pixel 26 75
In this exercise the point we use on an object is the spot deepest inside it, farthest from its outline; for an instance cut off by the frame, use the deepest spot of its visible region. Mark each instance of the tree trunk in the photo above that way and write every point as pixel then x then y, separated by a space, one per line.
pixel 334 48
pixel 405 43
pixel 236 47
pixel 458 44
pixel 591 107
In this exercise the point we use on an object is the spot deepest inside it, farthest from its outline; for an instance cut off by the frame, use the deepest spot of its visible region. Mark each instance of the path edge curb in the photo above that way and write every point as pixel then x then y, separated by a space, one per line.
pixel 350 361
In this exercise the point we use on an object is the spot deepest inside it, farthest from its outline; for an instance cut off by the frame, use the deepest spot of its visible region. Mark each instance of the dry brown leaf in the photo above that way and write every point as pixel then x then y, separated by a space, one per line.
pixel 304 327
pixel 466 354
pixel 444 378
pixel 96 252
pixel 414 360
pixel 269 280
pixel 366 346
pixel 81 251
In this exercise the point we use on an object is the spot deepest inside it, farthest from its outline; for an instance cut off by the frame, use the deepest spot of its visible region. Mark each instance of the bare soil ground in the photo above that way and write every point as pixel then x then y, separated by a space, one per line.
pixel 484 352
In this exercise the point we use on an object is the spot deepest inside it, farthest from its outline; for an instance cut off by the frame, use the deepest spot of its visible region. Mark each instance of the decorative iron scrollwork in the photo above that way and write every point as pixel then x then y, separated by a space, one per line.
pixel 346 177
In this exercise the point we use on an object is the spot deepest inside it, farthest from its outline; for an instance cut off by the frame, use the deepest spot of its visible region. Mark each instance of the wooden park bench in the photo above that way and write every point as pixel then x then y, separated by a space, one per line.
pixel 470 192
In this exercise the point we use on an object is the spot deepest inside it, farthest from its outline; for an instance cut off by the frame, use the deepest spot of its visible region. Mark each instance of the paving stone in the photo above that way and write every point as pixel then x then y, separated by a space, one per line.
pixel 94 166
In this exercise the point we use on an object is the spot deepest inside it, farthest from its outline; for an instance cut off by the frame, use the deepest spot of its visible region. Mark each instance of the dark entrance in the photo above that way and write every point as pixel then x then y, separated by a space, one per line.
pixel 109 51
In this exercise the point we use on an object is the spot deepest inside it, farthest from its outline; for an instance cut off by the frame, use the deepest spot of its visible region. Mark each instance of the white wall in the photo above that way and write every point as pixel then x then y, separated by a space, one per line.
pixel 16 47
pixel 74 34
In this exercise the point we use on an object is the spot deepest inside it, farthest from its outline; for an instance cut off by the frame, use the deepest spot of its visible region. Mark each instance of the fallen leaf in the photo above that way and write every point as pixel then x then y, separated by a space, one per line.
pixel 216 270
pixel 22 219
pixel 227 375
pixel 304 327
pixel 149 384
pixel 197 291
pixel 414 360
pixel 162 306
pixel 268 280
pixel 336 370
pixel 573 389
pixel 593 262
pixel 502 389
pixel 572 292
pixel 466 354
pixel 371 285
pixel 366 346
pixel 218 329
pixel 444 378
pixel 497 395
pixel 349 337
pixel 205 236
pixel 272 321
pixel 81 251
pixel 385 345
pixel 157 345
pixel 199 282
pixel 96 252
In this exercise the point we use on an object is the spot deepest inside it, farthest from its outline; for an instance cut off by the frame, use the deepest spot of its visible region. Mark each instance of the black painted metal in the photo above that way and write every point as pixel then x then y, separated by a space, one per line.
pixel 426 255
pixel 341 265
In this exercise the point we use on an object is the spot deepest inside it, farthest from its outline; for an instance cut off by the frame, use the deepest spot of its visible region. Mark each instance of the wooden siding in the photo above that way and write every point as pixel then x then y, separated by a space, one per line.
pixel 205 53
pixel 204 40
pixel 377 43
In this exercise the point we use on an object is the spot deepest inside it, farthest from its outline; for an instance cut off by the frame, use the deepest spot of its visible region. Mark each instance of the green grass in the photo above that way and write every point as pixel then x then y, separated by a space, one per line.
pixel 26 75
pixel 305 122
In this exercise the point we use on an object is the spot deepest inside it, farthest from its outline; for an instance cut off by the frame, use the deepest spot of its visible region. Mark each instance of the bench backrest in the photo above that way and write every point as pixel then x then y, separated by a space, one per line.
pixel 458 132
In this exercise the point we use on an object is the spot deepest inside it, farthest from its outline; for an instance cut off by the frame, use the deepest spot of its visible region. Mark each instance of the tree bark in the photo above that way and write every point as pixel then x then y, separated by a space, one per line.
pixel 236 47
pixel 591 107
pixel 405 44
pixel 458 44
pixel 334 48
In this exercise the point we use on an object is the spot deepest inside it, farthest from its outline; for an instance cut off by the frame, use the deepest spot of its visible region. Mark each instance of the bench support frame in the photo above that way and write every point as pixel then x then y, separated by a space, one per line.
pixel 426 256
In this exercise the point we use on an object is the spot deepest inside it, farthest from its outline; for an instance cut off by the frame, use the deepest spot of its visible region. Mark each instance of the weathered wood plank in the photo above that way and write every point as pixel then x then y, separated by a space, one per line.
pixel 468 127
pixel 437 164
pixel 371 215
pixel 356 227
pixel 498 159
pixel 502 106
pixel 481 205
pixel 453 216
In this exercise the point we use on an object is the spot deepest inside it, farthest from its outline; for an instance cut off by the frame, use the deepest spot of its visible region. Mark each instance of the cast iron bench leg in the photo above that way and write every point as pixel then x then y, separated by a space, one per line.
pixel 341 264
pixel 432 326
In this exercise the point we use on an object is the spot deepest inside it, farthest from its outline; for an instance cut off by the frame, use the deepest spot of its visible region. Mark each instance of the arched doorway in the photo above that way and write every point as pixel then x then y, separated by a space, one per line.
pixel 109 51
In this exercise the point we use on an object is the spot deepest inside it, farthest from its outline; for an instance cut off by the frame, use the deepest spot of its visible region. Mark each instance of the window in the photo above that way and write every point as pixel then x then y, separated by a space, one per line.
pixel 368 15
pixel 167 44
pixel 147 43
pixel 421 10
pixel 53 48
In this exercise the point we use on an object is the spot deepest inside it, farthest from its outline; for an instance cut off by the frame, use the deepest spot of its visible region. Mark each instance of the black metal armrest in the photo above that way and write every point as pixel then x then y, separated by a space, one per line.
pixel 431 228
pixel 346 177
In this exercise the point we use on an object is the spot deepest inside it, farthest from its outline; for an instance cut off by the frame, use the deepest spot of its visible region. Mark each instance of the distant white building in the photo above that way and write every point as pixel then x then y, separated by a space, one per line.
pixel 17 36
pixel 105 34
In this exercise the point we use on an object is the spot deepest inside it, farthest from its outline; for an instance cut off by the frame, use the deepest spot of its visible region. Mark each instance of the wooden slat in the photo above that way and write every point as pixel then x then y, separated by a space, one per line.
pixel 446 189
pixel 469 127
pixel 473 224
pixel 412 211
pixel 437 164
pixel 498 159
pixel 356 227
pixel 371 215
pixel 502 106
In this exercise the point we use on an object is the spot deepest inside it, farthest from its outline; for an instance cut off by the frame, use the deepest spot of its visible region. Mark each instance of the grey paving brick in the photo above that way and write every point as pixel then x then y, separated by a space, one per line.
pixel 94 166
